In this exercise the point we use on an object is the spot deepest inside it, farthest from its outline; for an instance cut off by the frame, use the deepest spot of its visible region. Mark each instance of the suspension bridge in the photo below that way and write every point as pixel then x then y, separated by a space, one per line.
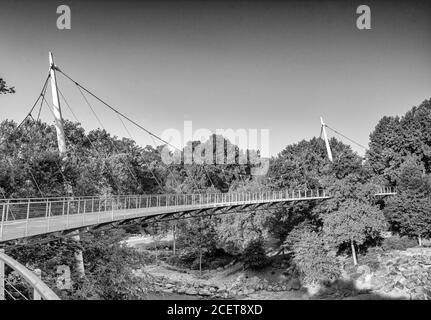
pixel 23 218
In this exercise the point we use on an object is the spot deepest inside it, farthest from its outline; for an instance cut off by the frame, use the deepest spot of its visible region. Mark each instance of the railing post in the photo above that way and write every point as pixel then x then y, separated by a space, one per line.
pixel 49 215
pixel 7 210
pixel 83 215
pixel 2 275
pixel 112 209
pixel 27 217
pixel 98 213
pixel 2 220
pixel 36 295
pixel 67 214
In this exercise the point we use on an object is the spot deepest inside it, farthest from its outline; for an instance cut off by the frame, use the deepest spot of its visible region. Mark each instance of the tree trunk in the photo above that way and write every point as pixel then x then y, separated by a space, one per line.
pixel 79 257
pixel 420 240
pixel 200 261
pixel 352 245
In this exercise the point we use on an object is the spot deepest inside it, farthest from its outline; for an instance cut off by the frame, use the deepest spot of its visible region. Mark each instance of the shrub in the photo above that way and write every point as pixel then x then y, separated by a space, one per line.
pixel 254 256
pixel 398 243
pixel 313 259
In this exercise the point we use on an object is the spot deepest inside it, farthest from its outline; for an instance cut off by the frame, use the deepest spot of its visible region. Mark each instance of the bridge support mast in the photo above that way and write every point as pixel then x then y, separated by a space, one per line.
pixel 63 152
pixel 325 136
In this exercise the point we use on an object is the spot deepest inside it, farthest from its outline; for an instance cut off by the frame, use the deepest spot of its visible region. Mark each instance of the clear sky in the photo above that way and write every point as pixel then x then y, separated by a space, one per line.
pixel 223 64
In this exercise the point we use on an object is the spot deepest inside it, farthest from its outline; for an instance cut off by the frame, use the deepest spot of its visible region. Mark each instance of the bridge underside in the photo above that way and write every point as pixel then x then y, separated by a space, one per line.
pixel 14 234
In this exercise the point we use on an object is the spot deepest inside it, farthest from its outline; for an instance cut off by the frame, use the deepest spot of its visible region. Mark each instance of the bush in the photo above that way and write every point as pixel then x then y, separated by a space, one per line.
pixel 313 259
pixel 254 256
pixel 398 243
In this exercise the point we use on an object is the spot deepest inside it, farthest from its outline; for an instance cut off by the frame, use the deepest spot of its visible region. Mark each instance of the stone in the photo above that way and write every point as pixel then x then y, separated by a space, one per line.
pixel 398 294
pixel 204 292
pixel 181 290
pixel 167 290
pixel 364 282
pixel 293 284
pixel 313 289
pixel 191 291
pixel 399 285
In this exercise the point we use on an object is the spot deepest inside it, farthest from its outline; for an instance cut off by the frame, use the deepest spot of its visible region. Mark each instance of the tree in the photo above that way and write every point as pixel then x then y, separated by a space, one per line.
pixel 236 230
pixel 198 237
pixel 409 211
pixel 394 139
pixel 353 223
pixel 109 266
pixel 254 254
pixel 311 255
pixel 4 89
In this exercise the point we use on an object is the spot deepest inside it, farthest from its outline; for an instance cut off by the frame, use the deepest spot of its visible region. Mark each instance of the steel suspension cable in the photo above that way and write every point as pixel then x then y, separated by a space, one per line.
pixel 105 157
pixel 115 110
pixel 154 176
pixel 353 141
pixel 103 127
pixel 31 110
pixel 119 113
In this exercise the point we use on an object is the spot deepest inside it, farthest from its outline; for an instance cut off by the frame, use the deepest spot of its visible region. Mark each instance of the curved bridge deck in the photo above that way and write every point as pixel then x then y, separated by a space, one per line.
pixel 35 216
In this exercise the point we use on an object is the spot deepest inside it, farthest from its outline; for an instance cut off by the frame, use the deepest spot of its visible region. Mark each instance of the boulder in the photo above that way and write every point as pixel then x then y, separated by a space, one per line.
pixel 313 288
pixel 364 282
pixel 191 291
pixel 204 292
pixel 293 284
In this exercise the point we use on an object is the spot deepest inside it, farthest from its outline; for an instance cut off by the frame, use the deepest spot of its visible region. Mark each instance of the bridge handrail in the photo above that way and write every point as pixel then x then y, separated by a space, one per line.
pixel 45 216
pixel 104 197
pixel 39 287
pixel 30 208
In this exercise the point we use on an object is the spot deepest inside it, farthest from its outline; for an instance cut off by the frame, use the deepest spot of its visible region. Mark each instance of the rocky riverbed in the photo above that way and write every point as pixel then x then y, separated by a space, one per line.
pixel 399 274
pixel 383 275
pixel 229 283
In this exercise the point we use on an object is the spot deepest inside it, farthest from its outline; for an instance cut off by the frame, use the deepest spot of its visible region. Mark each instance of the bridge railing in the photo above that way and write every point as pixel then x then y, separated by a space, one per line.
pixel 45 208
pixel 18 290
pixel 386 191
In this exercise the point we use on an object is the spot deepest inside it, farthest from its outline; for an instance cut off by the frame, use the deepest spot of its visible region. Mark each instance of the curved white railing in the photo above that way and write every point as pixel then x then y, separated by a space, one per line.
pixel 9 290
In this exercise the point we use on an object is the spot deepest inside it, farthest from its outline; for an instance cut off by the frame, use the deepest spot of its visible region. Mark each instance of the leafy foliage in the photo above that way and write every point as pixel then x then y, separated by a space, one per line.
pixel 354 221
pixel 4 88
pixel 312 257
pixel 108 264
pixel 395 138
pixel 409 211
pixel 254 256
pixel 396 242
